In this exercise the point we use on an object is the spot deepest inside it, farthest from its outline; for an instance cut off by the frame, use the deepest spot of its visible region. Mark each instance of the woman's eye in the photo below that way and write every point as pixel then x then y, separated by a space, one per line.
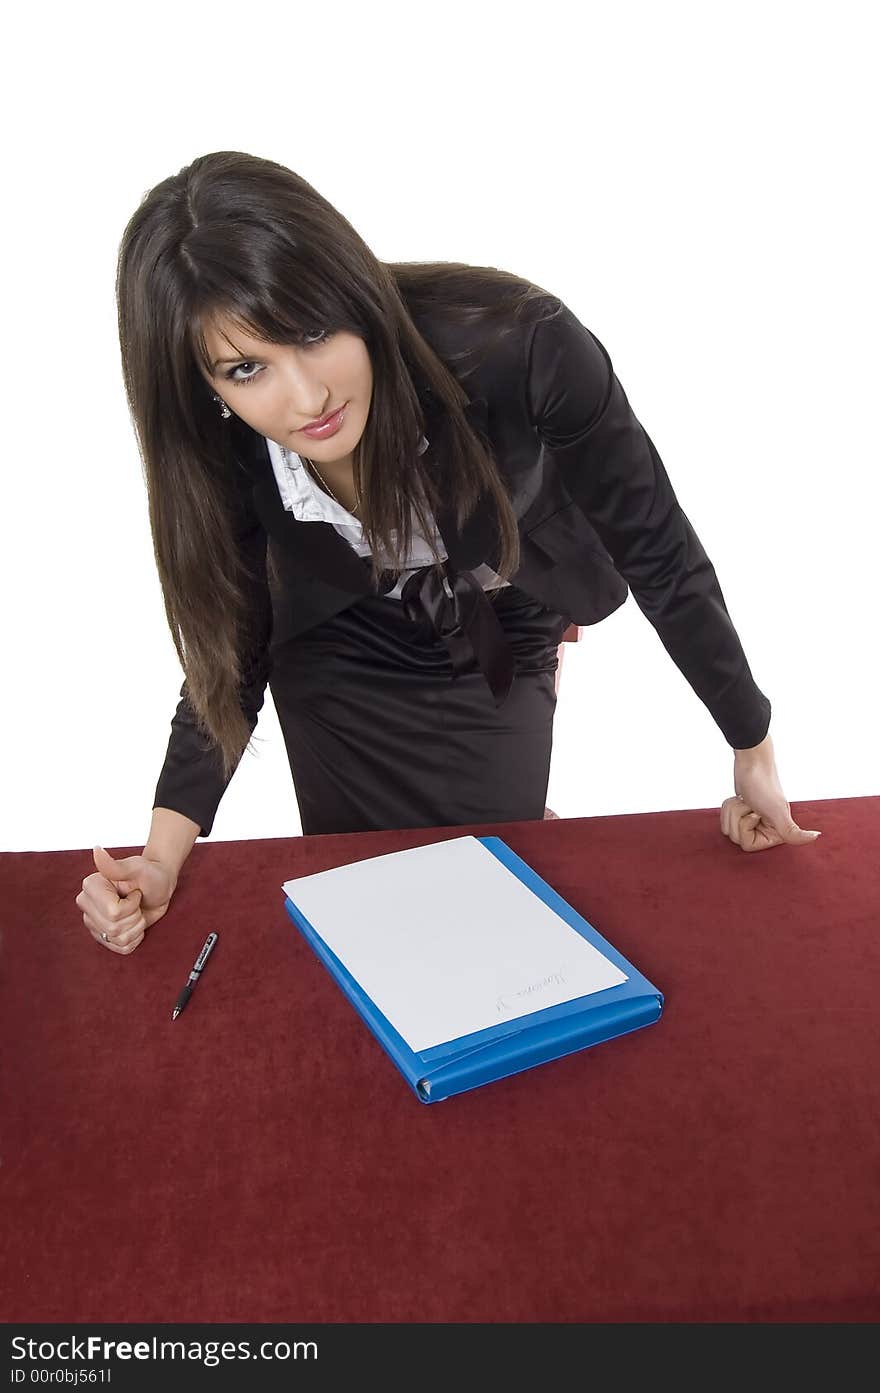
pixel 242 381
pixel 313 338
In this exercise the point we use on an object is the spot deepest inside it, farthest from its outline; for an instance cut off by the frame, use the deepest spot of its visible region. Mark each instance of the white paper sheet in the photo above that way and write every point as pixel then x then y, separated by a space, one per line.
pixel 446 940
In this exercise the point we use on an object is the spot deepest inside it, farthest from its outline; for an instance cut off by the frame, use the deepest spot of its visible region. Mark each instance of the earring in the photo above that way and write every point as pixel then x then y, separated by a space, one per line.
pixel 224 409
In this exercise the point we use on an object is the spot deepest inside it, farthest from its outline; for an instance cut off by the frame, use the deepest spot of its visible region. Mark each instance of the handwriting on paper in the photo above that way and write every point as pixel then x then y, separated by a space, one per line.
pixel 525 995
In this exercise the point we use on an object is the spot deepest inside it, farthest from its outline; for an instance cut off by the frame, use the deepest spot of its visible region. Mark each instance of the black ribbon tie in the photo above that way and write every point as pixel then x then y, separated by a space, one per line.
pixel 462 615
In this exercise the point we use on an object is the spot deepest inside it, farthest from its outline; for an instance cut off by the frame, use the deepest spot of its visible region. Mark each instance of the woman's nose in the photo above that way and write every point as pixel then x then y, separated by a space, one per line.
pixel 308 403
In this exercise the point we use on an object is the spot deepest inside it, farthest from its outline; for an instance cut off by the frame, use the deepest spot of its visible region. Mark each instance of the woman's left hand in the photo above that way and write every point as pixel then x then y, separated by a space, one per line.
pixel 759 816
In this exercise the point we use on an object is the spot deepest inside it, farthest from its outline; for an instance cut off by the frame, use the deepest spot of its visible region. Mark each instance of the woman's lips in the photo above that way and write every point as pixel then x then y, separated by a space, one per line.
pixel 329 427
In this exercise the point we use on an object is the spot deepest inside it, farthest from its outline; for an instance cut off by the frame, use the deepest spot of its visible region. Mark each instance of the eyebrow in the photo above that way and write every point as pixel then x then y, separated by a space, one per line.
pixel 241 358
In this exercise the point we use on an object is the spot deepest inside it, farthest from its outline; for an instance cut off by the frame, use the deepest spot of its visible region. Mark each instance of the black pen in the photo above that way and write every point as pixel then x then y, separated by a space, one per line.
pixel 193 976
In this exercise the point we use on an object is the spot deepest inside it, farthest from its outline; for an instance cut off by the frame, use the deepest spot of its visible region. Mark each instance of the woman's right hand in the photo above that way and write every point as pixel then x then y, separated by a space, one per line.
pixel 123 898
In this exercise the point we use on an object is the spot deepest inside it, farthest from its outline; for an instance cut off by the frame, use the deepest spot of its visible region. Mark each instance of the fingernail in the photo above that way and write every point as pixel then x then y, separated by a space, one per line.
pixel 815 834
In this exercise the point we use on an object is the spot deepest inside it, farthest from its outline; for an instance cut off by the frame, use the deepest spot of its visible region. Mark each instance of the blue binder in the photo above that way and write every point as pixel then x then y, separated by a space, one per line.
pixel 515 1045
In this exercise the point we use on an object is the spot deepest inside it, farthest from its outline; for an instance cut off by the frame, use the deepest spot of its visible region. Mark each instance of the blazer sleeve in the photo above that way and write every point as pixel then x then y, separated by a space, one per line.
pixel 614 474
pixel 191 781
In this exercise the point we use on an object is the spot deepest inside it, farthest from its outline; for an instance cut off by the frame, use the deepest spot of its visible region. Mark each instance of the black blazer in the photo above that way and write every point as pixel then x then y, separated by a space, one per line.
pixel 597 517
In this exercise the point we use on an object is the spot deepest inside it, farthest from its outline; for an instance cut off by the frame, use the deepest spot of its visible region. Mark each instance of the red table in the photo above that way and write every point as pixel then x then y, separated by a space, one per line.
pixel 261 1159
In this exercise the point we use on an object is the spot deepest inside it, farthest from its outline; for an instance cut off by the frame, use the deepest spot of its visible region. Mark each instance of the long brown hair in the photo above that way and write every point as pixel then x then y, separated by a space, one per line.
pixel 248 238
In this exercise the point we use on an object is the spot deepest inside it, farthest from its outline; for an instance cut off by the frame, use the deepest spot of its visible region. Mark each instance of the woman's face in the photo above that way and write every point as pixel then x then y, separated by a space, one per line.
pixel 277 389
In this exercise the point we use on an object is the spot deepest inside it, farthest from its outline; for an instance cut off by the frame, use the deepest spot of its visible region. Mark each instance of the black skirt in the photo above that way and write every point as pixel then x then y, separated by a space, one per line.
pixel 381 733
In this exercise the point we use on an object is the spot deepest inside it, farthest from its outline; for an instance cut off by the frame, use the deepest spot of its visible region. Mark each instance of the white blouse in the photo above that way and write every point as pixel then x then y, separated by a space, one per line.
pixel 301 496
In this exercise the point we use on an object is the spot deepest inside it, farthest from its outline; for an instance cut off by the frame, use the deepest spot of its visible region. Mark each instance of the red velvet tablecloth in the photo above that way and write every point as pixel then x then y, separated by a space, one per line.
pixel 261 1159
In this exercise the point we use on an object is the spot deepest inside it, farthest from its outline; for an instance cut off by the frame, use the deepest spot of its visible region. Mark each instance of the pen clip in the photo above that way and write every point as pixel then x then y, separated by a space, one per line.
pixel 202 958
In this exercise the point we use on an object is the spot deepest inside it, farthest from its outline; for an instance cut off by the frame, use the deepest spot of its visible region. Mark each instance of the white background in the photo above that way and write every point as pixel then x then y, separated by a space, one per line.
pixel 695 181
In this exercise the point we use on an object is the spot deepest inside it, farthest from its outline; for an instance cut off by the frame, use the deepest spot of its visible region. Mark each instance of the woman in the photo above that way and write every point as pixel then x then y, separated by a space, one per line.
pixel 386 490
